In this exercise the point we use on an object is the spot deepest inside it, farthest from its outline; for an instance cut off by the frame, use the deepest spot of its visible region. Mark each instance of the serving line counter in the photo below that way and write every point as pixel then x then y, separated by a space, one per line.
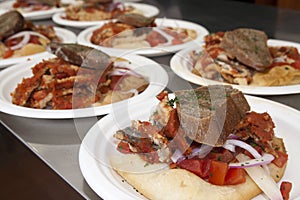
pixel 57 141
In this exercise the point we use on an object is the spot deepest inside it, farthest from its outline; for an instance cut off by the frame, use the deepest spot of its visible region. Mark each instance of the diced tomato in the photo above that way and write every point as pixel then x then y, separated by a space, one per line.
pixel 8 53
pixel 172 125
pixel 217 172
pixel 192 165
pixel 205 168
pixel 285 189
pixel 281 159
pixel 235 176
pixel 296 64
pixel 123 147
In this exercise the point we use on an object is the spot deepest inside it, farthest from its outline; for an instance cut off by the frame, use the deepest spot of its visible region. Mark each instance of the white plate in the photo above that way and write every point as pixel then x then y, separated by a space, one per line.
pixel 181 64
pixel 85 38
pixel 11 76
pixel 147 10
pixel 99 144
pixel 33 15
pixel 66 36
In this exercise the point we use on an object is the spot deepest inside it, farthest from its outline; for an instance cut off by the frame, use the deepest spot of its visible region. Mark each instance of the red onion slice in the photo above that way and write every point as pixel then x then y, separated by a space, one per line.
pixel 229 144
pixel 26 37
pixel 243 145
pixel 24 41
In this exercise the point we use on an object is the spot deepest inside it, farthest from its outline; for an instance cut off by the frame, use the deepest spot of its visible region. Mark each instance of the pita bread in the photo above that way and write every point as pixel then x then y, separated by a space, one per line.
pixel 180 184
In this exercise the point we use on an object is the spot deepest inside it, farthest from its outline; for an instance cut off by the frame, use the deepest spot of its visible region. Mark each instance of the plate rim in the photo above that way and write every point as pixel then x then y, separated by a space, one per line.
pixel 187 75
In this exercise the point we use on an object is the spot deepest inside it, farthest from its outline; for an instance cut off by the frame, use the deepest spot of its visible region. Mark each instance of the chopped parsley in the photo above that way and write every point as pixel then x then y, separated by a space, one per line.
pixel 172 102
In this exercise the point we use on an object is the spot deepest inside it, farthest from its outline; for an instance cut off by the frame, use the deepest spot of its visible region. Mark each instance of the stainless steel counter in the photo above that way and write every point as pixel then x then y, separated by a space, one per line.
pixel 57 141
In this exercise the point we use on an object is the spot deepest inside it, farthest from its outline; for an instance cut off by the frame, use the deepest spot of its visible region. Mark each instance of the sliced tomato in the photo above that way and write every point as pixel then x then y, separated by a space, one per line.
pixel 235 176
pixel 123 147
pixel 285 189
pixel 217 172
pixel 281 159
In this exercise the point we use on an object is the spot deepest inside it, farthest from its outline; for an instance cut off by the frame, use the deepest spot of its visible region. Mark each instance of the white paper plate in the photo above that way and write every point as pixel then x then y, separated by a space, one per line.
pixel 98 145
pixel 147 10
pixel 85 38
pixel 66 36
pixel 33 15
pixel 181 64
pixel 11 76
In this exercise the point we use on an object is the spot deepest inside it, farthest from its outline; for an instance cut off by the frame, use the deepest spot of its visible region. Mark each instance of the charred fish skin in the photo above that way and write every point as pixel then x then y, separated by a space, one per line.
pixel 10 23
pixel 80 55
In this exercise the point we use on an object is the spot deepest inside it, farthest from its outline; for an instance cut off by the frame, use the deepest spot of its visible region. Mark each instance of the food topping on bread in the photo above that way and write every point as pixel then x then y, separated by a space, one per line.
pixel 212 134
pixel 248 46
pixel 243 56
pixel 209 114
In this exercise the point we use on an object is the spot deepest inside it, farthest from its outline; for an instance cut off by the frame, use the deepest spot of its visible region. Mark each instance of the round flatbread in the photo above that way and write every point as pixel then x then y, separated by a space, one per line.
pixel 173 184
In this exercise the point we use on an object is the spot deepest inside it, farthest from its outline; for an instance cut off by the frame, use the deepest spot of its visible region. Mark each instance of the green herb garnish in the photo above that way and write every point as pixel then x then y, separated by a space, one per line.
pixel 171 102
